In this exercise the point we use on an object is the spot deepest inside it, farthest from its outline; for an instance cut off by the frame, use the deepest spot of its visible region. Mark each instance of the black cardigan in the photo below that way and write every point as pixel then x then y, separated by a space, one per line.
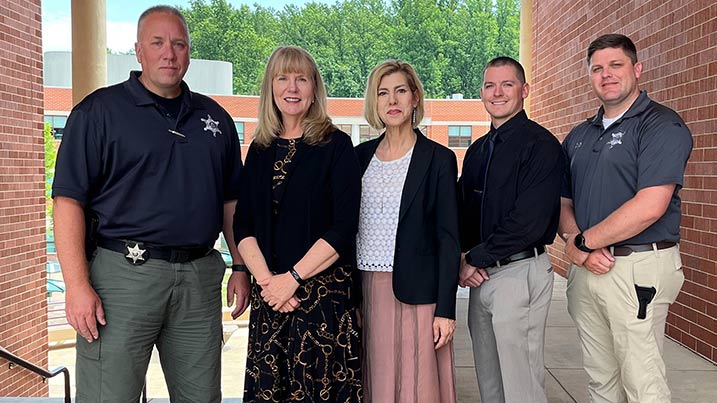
pixel 427 255
pixel 321 200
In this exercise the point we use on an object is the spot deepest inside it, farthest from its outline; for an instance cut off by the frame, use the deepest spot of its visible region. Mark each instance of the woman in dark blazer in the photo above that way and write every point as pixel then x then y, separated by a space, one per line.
pixel 407 247
pixel 295 225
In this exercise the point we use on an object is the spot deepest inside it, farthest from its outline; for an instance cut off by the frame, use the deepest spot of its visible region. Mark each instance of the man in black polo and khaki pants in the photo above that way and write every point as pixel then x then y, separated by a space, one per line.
pixel 149 171
pixel 620 217
pixel 510 206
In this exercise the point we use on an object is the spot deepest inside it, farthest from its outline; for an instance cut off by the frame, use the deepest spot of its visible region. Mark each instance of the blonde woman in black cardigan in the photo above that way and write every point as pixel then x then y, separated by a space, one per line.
pixel 407 249
pixel 295 225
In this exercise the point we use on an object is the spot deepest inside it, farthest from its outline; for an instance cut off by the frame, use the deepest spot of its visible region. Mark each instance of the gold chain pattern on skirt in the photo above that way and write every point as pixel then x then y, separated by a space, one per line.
pixel 311 354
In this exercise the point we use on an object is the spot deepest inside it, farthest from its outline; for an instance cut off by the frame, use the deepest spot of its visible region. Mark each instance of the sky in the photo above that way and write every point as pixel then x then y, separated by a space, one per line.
pixel 121 20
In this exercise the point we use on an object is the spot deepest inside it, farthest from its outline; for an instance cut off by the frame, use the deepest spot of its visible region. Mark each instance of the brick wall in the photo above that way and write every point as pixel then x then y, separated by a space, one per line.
pixel 677 44
pixel 23 306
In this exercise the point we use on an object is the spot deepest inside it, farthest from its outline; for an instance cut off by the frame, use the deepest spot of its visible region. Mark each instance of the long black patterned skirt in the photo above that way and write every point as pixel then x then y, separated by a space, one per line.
pixel 309 355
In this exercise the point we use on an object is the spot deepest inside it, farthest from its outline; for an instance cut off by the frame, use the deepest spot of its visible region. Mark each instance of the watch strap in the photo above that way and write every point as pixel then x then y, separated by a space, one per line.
pixel 240 268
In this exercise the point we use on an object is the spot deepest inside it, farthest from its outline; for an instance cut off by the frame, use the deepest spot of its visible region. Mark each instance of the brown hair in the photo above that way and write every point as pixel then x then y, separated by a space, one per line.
pixel 613 41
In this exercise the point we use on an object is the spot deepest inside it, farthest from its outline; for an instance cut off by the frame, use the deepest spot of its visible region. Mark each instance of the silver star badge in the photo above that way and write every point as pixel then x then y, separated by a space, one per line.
pixel 211 125
pixel 135 253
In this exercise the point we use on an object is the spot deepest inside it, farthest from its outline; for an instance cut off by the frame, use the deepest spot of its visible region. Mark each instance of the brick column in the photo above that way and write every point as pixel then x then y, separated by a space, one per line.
pixel 23 304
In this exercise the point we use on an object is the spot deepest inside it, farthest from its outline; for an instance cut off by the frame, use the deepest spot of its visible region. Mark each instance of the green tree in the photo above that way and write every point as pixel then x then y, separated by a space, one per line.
pixel 470 45
pixel 419 28
pixel 50 158
pixel 447 41
pixel 221 32
pixel 507 18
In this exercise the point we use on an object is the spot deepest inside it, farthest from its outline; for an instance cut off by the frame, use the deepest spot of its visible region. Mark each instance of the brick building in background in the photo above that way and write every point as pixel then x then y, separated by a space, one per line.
pixel 677 44
pixel 676 40
pixel 23 306
pixel 455 123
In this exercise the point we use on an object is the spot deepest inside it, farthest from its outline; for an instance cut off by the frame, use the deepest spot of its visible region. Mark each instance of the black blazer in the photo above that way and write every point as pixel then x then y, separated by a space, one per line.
pixel 427 255
pixel 321 200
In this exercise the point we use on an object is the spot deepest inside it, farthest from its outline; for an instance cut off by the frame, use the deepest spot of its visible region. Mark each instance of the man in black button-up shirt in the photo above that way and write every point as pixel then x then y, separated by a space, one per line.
pixel 510 207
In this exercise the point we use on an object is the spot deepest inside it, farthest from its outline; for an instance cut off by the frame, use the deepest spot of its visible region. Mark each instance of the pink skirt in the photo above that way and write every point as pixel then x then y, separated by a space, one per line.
pixel 400 362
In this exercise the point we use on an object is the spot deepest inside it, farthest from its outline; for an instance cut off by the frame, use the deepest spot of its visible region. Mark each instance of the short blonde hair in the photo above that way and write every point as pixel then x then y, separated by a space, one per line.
pixel 317 123
pixel 388 67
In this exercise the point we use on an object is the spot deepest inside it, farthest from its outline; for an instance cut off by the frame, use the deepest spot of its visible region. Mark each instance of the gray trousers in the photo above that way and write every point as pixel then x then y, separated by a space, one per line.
pixel 506 319
pixel 176 307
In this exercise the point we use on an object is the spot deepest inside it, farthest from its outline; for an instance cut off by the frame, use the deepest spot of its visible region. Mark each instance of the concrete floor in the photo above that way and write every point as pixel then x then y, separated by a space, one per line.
pixel 691 378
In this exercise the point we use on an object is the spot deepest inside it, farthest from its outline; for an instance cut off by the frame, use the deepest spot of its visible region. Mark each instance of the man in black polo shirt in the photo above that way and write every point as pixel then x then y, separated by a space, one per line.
pixel 510 189
pixel 620 217
pixel 148 170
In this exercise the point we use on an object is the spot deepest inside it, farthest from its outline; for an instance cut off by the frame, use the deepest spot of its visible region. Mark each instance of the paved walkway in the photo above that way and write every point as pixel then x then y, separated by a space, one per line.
pixel 692 379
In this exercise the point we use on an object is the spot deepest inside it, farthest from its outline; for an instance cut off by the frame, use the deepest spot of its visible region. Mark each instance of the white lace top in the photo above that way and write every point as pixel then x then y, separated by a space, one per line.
pixel 382 186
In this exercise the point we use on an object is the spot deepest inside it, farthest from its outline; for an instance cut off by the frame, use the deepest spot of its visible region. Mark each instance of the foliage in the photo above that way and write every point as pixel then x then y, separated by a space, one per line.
pixel 50 157
pixel 448 41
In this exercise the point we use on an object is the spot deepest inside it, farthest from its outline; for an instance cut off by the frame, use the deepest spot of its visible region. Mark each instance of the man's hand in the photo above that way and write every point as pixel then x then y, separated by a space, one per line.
pixel 278 289
pixel 238 289
pixel 84 309
pixel 443 329
pixel 471 276
pixel 600 261
pixel 572 252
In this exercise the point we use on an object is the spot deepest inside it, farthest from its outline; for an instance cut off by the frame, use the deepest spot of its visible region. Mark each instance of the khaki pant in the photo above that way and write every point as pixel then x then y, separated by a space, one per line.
pixel 621 353
pixel 506 319
pixel 176 307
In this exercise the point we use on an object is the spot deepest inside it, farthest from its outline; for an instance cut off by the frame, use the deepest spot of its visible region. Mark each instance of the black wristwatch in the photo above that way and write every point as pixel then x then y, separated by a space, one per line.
pixel 580 243
pixel 240 268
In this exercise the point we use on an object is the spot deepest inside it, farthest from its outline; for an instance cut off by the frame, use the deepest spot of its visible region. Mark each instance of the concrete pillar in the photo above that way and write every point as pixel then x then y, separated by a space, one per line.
pixel 89 47
pixel 526 43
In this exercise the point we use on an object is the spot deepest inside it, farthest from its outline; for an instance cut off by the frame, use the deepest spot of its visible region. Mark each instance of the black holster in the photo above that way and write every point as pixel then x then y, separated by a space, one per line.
pixel 644 297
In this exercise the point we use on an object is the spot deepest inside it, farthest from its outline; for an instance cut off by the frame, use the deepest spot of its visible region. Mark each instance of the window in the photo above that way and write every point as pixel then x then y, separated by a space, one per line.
pixel 459 136
pixel 345 128
pixel 240 131
pixel 367 132
pixel 58 125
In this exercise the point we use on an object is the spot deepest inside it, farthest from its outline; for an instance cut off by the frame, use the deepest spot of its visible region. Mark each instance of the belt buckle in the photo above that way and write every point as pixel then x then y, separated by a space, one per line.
pixel 136 256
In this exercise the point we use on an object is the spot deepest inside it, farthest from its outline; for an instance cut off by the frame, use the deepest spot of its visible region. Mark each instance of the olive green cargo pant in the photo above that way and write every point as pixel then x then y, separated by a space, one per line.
pixel 174 306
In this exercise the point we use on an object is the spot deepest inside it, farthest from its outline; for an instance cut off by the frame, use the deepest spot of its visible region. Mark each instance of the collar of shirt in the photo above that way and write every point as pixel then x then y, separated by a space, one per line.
pixel 507 129
pixel 142 97
pixel 639 106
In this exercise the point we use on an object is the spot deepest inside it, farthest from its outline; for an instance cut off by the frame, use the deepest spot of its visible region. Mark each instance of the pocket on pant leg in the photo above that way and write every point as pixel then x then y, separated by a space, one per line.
pixel 88 371
pixel 88 350
pixel 644 273
pixel 671 278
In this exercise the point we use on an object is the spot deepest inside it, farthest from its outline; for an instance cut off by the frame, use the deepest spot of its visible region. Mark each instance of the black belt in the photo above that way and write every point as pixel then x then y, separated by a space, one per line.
pixel 138 253
pixel 528 253
pixel 627 250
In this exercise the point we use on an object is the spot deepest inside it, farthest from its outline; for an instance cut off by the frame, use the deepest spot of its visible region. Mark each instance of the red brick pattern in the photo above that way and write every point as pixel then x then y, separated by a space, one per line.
pixel 677 44
pixel 23 307
pixel 246 106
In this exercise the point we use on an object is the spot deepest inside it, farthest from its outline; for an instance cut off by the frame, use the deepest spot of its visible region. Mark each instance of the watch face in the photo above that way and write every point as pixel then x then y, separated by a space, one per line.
pixel 579 240
pixel 580 243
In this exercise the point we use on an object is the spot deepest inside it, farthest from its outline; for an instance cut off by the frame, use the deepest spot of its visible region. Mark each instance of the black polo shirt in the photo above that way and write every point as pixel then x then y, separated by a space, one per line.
pixel 520 205
pixel 648 146
pixel 147 175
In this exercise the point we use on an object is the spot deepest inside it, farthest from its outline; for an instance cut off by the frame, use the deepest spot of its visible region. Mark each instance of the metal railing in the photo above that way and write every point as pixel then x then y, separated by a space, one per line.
pixel 15 360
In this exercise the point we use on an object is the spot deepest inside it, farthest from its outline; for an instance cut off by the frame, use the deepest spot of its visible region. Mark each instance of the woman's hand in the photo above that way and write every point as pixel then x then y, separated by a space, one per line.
pixel 443 329
pixel 289 306
pixel 277 290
